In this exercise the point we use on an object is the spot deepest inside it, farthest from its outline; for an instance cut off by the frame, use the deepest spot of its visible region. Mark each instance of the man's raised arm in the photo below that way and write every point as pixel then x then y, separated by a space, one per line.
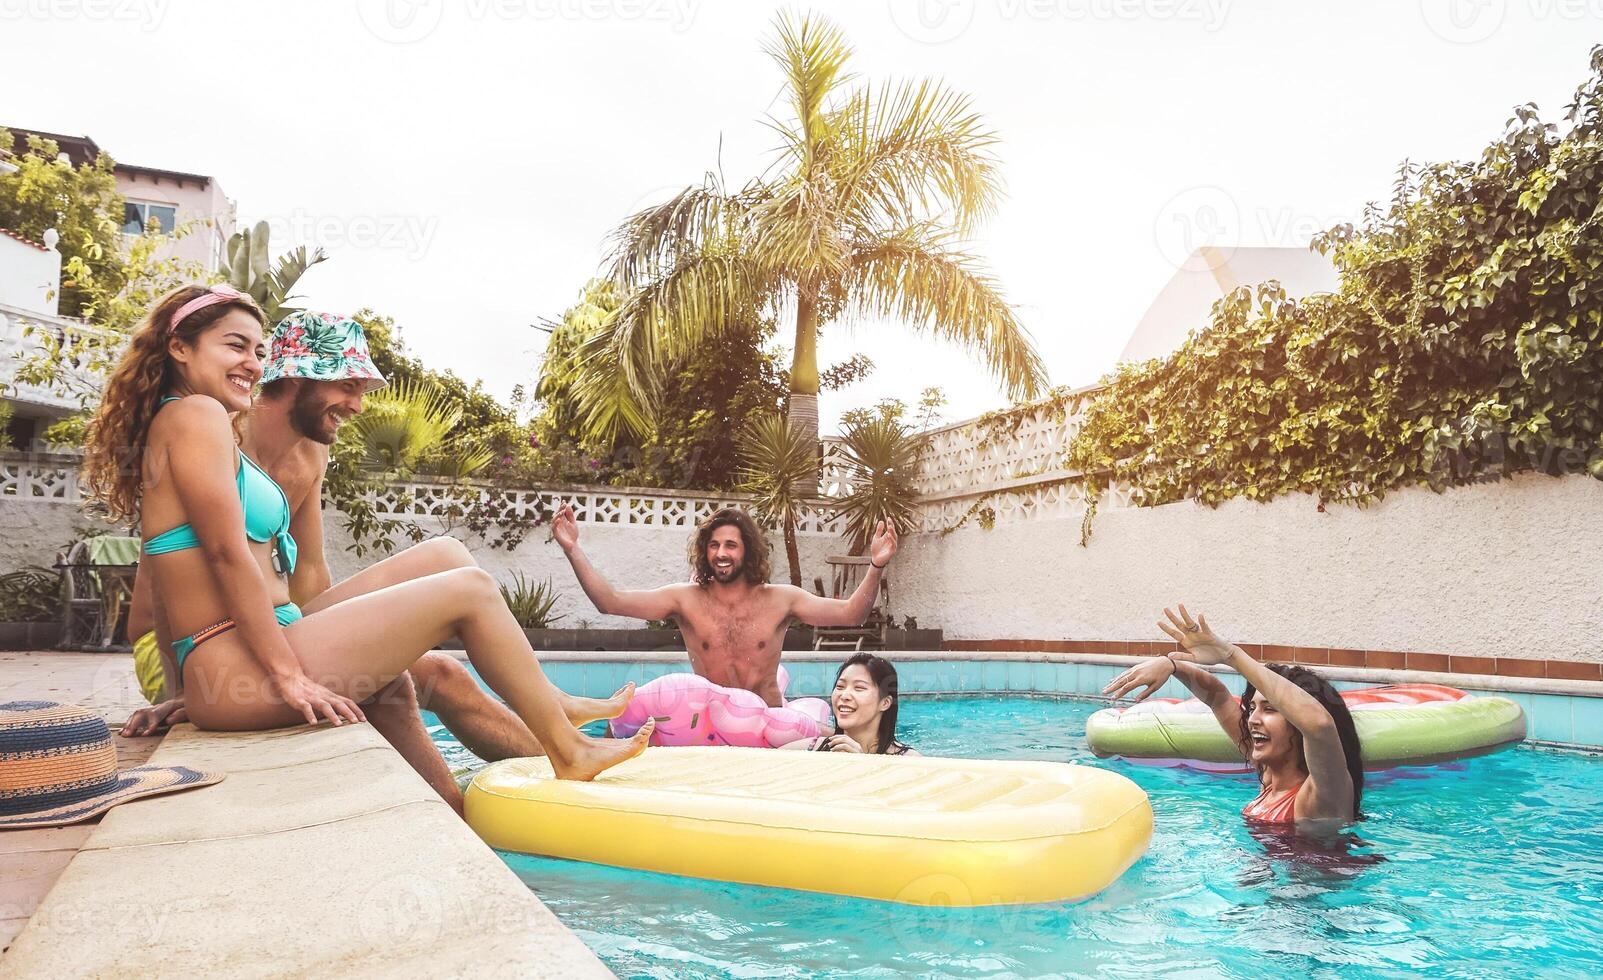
pixel 654 604
pixel 816 610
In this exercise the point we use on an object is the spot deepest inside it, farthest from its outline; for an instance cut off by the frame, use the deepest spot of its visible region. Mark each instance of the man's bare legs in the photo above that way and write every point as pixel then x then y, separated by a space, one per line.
pixel 393 712
pixel 483 725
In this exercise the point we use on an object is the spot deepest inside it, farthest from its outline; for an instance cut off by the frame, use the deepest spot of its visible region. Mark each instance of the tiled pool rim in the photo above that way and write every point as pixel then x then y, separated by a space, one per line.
pixel 1560 713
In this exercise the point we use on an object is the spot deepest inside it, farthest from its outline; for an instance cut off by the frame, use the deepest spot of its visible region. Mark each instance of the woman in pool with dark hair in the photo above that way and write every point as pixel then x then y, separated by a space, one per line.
pixel 864 702
pixel 1291 724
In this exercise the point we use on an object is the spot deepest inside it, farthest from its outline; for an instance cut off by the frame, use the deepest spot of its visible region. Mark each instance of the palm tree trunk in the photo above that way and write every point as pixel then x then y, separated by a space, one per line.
pixel 803 415
pixel 791 554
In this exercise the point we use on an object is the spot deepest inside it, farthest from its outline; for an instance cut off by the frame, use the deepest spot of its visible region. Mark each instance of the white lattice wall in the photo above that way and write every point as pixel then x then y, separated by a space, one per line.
pixel 593 505
pixel 1014 468
pixel 36 477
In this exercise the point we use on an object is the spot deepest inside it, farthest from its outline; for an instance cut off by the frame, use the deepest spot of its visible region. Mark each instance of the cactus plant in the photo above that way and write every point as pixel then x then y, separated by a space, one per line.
pixel 247 267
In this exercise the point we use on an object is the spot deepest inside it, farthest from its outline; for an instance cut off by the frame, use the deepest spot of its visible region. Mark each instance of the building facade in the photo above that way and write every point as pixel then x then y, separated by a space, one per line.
pixel 169 199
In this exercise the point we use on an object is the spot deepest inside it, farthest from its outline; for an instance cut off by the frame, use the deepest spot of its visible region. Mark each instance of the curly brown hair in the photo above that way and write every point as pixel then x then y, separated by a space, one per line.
pixel 116 439
pixel 755 569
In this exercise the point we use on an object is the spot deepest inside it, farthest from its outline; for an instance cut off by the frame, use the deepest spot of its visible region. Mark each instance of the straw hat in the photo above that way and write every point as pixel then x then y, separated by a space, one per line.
pixel 58 765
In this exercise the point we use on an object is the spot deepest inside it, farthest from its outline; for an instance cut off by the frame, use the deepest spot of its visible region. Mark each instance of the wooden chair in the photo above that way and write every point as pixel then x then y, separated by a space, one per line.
pixel 97 580
pixel 846 574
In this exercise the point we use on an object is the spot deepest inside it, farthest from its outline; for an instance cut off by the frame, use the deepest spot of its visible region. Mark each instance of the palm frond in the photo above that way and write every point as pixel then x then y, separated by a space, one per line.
pixel 610 404
pixel 777 461
pixel 673 314
pixel 881 456
pixel 917 150
pixel 660 237
pixel 916 277
pixel 812 52
pixel 402 423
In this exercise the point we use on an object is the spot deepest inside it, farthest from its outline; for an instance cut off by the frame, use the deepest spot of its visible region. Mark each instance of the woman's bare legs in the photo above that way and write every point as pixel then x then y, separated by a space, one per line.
pixel 358 646
pixel 441 555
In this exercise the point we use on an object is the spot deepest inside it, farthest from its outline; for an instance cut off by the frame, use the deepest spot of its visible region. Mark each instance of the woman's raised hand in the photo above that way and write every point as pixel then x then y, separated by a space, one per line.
pixel 1201 645
pixel 317 703
pixel 1151 674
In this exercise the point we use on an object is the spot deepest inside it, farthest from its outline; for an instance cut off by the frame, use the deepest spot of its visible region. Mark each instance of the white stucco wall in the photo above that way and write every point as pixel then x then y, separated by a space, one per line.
pixel 1508 569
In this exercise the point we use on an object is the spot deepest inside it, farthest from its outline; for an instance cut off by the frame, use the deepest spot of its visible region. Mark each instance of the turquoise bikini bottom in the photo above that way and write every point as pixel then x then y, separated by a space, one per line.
pixel 182 648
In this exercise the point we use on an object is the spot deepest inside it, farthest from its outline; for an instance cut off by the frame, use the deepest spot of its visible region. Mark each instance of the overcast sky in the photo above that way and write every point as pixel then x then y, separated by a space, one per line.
pixel 463 162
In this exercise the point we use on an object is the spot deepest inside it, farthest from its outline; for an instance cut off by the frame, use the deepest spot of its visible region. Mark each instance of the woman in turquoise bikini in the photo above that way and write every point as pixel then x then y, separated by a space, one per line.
pixel 161 449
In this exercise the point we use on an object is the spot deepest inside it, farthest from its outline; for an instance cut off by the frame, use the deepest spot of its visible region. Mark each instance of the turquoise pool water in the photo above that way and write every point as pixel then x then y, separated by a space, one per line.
pixel 1492 867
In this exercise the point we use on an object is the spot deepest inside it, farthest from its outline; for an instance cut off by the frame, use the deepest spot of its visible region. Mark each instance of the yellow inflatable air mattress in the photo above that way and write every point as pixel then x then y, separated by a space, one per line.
pixel 919 830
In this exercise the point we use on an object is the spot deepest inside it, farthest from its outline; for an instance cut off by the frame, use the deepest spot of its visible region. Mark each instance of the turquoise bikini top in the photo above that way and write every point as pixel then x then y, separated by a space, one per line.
pixel 266 516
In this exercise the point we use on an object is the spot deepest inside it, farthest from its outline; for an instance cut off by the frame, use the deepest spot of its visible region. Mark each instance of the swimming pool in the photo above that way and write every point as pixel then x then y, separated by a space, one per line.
pixel 1493 866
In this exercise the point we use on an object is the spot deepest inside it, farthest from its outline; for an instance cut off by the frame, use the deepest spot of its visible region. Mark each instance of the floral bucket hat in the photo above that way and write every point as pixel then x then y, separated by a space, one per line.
pixel 320 347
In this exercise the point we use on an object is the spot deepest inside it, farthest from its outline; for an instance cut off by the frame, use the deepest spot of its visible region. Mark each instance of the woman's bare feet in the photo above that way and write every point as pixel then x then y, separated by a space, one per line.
pixel 583 710
pixel 590 757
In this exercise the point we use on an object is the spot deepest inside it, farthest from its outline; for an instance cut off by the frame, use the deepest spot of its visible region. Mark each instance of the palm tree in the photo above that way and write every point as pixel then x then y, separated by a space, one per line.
pixel 776 460
pixel 863 215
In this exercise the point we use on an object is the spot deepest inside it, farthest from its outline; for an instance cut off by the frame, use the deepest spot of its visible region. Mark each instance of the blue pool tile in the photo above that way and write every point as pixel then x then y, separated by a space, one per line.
pixel 1041 680
pixel 1548 718
pixel 1586 721
pixel 971 679
pixel 1018 676
pixel 994 677
pixel 1064 677
pixel 569 677
pixel 1094 677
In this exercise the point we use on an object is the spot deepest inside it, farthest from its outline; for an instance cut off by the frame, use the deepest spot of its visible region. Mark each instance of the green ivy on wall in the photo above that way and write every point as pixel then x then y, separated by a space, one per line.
pixel 1465 343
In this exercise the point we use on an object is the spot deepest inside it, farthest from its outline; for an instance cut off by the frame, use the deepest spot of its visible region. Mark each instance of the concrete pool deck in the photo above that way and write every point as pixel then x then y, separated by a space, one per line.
pixel 322 852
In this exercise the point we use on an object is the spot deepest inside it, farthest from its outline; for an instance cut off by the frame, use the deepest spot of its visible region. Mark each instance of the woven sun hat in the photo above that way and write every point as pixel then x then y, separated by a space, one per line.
pixel 320 347
pixel 58 765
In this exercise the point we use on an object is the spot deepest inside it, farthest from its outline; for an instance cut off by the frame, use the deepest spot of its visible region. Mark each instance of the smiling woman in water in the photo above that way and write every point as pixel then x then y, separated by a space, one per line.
pixel 1291 724
pixel 864 702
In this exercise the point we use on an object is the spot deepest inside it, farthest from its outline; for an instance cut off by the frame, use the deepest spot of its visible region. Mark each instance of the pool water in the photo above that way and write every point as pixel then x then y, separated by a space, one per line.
pixel 1489 867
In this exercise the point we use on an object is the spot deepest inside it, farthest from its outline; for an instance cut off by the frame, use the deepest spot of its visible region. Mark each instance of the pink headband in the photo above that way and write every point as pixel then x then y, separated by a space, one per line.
pixel 220 293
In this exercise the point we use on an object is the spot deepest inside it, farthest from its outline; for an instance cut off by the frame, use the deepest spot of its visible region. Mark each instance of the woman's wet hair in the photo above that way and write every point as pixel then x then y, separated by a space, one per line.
pixel 1330 699
pixel 883 673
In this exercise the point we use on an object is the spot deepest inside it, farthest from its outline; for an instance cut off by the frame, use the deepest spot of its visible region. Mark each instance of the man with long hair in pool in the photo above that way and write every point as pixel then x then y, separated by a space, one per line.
pixel 161 448
pixel 733 619
pixel 1291 724
pixel 864 702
